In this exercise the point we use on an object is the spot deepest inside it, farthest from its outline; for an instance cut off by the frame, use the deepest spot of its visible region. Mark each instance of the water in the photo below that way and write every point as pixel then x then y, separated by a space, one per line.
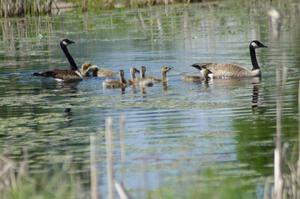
pixel 173 133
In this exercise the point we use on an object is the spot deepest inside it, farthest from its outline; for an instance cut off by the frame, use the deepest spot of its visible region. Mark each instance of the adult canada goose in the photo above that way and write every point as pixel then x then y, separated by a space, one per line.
pixel 232 70
pixel 207 75
pixel 164 71
pixel 133 79
pixel 121 83
pixel 67 75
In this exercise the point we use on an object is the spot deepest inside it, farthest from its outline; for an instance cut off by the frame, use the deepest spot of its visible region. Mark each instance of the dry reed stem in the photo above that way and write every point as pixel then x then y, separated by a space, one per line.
pixel 109 156
pixel 121 191
pixel 94 173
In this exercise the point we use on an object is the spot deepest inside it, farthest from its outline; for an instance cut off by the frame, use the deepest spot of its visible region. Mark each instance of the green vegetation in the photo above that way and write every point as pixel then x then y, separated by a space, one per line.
pixel 47 187
pixel 9 8
pixel 59 185
pixel 209 186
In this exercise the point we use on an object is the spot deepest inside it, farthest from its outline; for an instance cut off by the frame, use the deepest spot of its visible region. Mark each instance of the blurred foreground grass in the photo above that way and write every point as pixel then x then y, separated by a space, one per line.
pixel 56 186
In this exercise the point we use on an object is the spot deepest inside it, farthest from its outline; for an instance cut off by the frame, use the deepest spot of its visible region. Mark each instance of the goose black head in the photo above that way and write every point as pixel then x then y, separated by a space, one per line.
pixel 257 44
pixel 66 42
pixel 197 66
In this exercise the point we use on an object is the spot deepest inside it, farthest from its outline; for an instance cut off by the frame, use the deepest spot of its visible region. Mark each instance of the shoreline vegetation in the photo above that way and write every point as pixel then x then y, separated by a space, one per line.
pixel 20 8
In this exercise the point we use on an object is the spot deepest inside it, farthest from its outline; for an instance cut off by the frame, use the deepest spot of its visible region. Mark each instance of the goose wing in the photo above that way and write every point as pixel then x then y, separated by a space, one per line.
pixel 225 70
pixel 63 75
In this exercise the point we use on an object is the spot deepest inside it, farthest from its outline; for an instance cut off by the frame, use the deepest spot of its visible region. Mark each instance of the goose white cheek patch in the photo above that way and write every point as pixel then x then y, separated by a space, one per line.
pixel 254 45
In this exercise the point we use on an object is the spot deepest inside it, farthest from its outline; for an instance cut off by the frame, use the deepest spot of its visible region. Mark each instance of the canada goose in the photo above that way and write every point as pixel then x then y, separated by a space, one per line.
pixel 121 83
pixel 207 75
pixel 133 79
pixel 164 71
pixel 67 75
pixel 102 72
pixel 232 70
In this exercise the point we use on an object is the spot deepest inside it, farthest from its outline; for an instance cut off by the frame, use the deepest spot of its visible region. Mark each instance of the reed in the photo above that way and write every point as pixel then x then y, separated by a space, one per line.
pixel 20 8
pixel 16 182
pixel 10 8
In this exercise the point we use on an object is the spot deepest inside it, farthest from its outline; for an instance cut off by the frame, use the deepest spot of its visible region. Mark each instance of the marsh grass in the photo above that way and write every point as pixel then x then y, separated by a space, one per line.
pixel 209 185
pixel 16 183
pixel 43 186
pixel 19 8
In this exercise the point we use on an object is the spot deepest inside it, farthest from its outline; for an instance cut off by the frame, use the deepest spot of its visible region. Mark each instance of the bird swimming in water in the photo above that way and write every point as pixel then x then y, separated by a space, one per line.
pixel 121 83
pixel 133 80
pixel 233 70
pixel 205 76
pixel 103 72
pixel 164 71
pixel 87 69
pixel 65 75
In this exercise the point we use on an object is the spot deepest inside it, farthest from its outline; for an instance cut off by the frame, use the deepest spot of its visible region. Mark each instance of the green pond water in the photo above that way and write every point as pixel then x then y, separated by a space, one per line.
pixel 172 134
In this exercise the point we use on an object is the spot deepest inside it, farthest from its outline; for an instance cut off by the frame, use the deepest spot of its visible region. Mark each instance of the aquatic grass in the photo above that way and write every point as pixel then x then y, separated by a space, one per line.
pixel 17 183
pixel 56 186
pixel 210 185
pixel 9 8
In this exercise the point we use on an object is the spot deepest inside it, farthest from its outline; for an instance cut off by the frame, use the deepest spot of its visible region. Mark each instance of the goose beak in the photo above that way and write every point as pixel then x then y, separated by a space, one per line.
pixel 71 42
pixel 263 46
pixel 169 68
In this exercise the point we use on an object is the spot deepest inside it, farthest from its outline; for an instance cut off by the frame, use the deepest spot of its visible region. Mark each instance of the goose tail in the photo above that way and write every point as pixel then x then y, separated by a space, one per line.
pixel 37 74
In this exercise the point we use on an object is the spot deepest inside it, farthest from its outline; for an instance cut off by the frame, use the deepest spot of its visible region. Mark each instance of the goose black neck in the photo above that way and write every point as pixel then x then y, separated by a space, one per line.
pixel 69 57
pixel 253 58
pixel 122 79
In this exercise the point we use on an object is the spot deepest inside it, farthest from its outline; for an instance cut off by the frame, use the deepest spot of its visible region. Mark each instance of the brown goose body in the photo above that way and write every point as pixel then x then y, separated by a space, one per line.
pixel 233 70
pixel 102 72
pixel 228 70
pixel 192 78
pixel 197 78
pixel 67 75
pixel 164 71
pixel 142 82
pixel 121 83
pixel 145 82
pixel 61 75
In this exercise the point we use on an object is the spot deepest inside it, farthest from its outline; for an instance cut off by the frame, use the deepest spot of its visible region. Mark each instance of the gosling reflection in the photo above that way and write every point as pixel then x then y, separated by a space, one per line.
pixel 68 116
